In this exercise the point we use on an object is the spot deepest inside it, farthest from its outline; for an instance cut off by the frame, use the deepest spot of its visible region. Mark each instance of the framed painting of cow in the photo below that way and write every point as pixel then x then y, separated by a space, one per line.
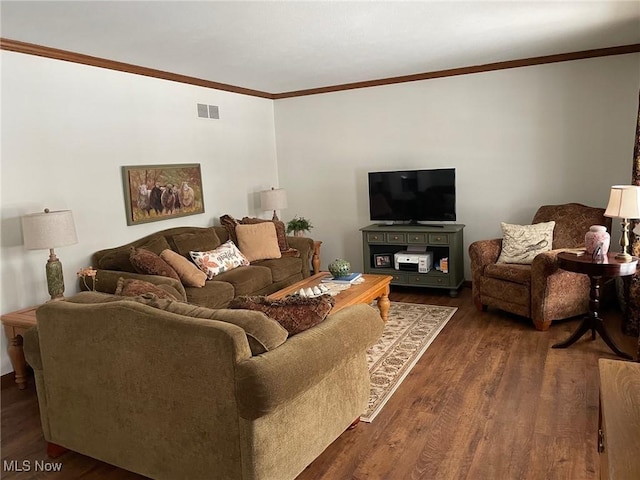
pixel 161 192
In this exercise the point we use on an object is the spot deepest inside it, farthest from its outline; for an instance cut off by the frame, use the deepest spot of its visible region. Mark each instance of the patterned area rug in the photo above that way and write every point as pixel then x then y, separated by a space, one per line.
pixel 408 333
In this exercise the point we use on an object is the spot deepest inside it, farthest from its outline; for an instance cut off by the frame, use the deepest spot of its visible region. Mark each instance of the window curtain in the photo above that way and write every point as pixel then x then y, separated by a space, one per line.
pixel 631 324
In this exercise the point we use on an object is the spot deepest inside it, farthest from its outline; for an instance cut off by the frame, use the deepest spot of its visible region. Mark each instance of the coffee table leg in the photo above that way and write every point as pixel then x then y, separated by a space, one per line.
pixel 384 304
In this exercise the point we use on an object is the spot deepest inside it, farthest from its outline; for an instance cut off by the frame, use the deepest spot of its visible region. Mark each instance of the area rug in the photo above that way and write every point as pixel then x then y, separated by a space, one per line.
pixel 409 331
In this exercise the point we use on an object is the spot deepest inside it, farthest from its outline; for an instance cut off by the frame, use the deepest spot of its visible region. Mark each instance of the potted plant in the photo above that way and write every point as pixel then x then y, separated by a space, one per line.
pixel 298 225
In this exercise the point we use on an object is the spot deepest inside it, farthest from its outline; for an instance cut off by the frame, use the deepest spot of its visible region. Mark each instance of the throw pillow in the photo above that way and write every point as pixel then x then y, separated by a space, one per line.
pixel 128 287
pixel 230 224
pixel 521 243
pixel 263 334
pixel 201 241
pixel 147 262
pixel 258 241
pixel 189 274
pixel 296 314
pixel 224 258
pixel 281 230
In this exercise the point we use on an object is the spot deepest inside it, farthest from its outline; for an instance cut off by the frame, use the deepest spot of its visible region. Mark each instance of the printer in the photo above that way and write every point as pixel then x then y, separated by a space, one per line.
pixel 420 262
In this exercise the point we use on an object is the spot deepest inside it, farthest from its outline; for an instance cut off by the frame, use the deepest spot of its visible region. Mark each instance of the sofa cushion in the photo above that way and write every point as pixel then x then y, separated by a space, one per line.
pixel 214 294
pixel 128 287
pixel 117 259
pixel 282 268
pixel 189 274
pixel 296 314
pixel 281 230
pixel 263 333
pixel 511 272
pixel 258 241
pixel 222 259
pixel 200 241
pixel 156 245
pixel 247 280
pixel 521 243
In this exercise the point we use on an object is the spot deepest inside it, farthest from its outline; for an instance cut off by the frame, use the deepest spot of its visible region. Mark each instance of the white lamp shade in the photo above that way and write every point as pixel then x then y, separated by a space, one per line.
pixel 48 230
pixel 624 202
pixel 274 199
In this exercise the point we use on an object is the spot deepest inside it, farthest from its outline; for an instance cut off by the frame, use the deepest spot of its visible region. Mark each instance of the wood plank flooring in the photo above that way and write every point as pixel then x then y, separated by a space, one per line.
pixel 488 400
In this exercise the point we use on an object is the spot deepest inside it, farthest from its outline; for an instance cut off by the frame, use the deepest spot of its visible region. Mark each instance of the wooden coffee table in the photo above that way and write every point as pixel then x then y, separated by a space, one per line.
pixel 374 287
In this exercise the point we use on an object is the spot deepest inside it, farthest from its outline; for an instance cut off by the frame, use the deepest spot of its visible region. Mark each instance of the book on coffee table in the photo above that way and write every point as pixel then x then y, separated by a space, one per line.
pixel 352 277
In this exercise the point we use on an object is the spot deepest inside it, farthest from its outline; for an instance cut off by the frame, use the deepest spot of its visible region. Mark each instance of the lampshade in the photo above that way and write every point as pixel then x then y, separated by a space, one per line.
pixel 624 202
pixel 274 199
pixel 48 230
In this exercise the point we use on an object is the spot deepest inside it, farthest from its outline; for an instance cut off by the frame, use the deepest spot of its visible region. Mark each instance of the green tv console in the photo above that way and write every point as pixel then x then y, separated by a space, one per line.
pixel 381 242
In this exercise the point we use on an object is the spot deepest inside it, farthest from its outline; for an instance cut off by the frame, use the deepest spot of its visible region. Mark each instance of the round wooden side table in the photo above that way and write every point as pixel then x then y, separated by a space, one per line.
pixel 608 267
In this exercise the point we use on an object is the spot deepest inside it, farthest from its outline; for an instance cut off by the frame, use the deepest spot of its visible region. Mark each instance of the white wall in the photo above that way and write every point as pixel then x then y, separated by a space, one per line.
pixel 66 131
pixel 518 139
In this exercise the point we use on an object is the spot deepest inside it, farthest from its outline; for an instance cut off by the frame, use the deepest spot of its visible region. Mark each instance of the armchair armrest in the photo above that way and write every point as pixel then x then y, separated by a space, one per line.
pixel 555 293
pixel 266 381
pixel 107 281
pixel 481 254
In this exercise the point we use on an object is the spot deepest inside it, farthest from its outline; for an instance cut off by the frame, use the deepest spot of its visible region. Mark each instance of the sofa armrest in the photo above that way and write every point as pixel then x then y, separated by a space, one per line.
pixel 107 281
pixel 305 246
pixel 266 381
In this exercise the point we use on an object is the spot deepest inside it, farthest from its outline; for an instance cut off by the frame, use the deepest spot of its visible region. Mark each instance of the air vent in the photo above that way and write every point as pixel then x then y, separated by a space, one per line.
pixel 208 111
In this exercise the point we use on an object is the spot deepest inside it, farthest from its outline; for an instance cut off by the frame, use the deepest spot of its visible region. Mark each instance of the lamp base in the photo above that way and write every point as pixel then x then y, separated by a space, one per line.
pixel 55 279
pixel 624 256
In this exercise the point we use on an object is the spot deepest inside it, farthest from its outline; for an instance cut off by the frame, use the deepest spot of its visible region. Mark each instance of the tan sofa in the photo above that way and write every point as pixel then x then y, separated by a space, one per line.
pixel 260 278
pixel 175 397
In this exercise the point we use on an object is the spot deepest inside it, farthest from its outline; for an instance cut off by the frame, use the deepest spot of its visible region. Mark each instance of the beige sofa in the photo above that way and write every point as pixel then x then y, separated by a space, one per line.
pixel 260 278
pixel 171 396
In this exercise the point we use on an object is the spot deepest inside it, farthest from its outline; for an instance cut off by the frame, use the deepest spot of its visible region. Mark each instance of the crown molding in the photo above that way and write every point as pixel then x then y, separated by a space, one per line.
pixel 57 54
pixel 489 67
pixel 67 56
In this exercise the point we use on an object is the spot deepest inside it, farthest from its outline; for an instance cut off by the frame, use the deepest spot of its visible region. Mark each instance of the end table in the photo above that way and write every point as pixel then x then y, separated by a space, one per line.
pixel 15 326
pixel 609 267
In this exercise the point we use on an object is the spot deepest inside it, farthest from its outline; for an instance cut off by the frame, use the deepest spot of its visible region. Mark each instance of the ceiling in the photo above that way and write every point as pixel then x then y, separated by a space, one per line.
pixel 283 46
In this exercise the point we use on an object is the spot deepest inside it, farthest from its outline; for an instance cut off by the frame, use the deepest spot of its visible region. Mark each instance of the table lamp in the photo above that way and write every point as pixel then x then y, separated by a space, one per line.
pixel 50 230
pixel 274 199
pixel 624 203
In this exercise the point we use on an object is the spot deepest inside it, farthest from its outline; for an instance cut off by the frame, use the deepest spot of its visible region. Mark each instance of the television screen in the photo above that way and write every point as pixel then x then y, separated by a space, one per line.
pixel 413 195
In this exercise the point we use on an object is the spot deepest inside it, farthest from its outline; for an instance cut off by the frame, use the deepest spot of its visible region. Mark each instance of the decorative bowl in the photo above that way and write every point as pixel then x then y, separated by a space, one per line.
pixel 340 268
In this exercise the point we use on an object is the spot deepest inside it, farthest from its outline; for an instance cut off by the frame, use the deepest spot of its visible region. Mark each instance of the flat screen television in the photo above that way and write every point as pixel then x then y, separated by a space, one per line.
pixel 413 195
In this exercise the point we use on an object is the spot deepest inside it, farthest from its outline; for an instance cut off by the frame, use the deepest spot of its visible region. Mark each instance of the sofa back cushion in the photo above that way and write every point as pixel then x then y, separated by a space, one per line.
pixel 200 241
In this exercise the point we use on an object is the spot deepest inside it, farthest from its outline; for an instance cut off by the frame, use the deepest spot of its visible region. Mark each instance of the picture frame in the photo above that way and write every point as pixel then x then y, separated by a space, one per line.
pixel 382 260
pixel 162 192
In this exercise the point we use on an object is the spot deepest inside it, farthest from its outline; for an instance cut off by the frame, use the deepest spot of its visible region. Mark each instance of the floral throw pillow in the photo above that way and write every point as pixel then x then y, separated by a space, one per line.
pixel 224 258
pixel 521 243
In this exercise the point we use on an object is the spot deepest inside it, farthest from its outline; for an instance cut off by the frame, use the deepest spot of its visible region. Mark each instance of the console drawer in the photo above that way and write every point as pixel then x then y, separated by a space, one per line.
pixel 439 239
pixel 399 278
pixel 416 238
pixel 437 280
pixel 396 238
pixel 375 237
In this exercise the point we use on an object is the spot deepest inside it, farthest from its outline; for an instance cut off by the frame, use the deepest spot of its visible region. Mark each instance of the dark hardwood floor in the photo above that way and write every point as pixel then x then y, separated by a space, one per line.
pixel 489 399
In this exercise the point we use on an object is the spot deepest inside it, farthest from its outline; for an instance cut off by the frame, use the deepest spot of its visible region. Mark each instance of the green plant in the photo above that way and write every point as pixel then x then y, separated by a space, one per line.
pixel 298 224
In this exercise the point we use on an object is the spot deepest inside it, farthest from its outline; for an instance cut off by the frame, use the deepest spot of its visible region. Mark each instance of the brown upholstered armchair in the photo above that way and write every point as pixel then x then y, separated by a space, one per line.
pixel 540 291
